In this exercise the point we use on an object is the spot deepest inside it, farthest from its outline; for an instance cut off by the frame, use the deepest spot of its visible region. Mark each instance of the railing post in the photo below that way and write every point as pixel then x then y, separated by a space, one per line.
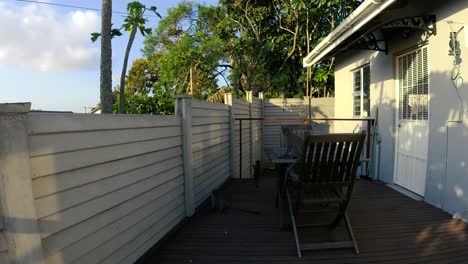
pixel 16 193
pixel 250 99
pixel 183 108
pixel 307 106
pixel 262 135
pixel 228 99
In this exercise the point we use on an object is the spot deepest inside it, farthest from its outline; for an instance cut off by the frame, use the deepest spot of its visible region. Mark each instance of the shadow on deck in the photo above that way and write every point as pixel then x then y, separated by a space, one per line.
pixel 389 228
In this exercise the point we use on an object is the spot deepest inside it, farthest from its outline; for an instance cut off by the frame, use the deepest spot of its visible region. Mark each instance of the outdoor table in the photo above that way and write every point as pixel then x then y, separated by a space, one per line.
pixel 282 159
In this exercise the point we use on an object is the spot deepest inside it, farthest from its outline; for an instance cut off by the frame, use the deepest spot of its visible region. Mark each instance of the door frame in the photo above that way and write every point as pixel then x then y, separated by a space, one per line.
pixel 397 103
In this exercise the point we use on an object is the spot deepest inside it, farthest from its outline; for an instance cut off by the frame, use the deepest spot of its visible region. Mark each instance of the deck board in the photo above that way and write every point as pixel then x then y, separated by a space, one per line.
pixel 389 227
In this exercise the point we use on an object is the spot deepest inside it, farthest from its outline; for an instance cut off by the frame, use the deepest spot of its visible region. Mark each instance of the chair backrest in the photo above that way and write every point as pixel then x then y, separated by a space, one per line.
pixel 332 158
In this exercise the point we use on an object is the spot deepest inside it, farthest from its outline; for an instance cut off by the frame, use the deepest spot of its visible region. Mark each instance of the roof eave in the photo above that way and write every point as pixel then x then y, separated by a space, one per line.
pixel 355 21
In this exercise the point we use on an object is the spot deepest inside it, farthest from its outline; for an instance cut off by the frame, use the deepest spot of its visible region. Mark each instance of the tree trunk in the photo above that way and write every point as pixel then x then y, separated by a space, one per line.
pixel 191 79
pixel 124 68
pixel 106 57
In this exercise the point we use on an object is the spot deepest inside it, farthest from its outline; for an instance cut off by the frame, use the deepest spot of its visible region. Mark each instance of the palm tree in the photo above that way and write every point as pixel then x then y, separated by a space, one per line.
pixel 134 21
pixel 106 57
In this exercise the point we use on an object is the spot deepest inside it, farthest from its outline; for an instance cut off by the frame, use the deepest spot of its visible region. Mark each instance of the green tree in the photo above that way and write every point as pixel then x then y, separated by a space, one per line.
pixel 141 76
pixel 268 40
pixel 159 103
pixel 191 55
pixel 134 21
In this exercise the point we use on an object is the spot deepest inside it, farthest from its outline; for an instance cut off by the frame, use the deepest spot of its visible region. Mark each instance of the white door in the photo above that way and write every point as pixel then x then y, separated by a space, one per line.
pixel 412 121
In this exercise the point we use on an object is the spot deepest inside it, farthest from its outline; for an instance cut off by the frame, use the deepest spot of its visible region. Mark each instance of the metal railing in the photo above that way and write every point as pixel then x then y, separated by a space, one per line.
pixel 369 135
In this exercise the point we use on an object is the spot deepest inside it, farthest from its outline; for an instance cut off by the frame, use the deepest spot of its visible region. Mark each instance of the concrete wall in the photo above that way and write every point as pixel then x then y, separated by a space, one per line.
pixel 444 106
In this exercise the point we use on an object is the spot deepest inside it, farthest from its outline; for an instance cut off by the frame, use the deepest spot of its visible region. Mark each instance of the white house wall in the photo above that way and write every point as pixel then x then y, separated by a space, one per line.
pixel 382 92
pixel 444 106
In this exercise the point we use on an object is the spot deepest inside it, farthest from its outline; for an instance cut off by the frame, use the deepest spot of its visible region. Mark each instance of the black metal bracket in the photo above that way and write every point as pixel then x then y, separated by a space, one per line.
pixel 425 23
pixel 371 39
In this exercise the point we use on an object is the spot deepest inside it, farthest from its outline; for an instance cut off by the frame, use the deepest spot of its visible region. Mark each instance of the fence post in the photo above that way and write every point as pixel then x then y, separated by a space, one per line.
pixel 16 193
pixel 307 106
pixel 262 135
pixel 252 161
pixel 183 108
pixel 228 99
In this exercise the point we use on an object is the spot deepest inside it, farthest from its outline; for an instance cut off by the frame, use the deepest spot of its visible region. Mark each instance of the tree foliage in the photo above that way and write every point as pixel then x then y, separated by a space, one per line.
pixel 190 53
pixel 248 45
pixel 133 21
pixel 142 76
pixel 160 102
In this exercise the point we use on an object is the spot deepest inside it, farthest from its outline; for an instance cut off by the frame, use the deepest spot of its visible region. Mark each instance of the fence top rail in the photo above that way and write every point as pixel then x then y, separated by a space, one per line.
pixel 304 119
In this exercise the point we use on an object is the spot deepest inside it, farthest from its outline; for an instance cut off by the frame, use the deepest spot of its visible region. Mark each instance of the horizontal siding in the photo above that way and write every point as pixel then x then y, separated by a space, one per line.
pixel 55 143
pixel 105 185
pixel 197 104
pixel 282 108
pixel 210 147
pixel 66 161
pixel 71 179
pixel 60 123
pixel 295 108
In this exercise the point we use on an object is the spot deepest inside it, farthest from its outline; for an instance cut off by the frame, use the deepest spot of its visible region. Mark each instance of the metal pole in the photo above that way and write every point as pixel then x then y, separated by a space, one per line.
pixel 240 149
pixel 369 124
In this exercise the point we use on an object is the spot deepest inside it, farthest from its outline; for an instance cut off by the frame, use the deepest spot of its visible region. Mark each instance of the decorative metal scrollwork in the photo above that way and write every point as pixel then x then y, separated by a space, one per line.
pixel 375 39
pixel 426 23
pixel 370 41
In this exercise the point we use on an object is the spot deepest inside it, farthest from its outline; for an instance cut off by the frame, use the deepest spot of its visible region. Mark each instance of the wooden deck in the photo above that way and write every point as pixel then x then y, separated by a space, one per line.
pixel 389 227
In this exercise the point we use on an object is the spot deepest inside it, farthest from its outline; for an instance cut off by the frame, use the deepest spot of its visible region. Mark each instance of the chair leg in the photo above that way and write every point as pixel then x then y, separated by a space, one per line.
pixel 293 221
pixel 339 216
pixel 282 212
pixel 350 231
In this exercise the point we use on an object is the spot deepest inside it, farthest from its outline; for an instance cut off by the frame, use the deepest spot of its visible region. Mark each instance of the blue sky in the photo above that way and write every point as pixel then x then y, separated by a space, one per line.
pixel 46 56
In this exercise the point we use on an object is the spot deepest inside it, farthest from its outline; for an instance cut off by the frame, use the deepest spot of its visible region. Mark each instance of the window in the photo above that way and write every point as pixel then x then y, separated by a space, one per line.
pixel 361 91
pixel 414 85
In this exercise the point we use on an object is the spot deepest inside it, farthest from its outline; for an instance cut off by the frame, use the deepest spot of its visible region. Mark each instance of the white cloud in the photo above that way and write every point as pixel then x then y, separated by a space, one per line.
pixel 35 36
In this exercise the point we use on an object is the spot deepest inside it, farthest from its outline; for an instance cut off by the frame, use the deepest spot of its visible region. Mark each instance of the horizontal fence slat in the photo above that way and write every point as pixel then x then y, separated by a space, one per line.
pixel 208 105
pixel 207 135
pixel 56 222
pixel 50 164
pixel 53 143
pixel 56 123
pixel 117 248
pixel 158 210
pixel 209 127
pixel 198 121
pixel 64 200
pixel 83 230
pixel 197 112
pixel 207 143
pixel 200 155
pixel 71 179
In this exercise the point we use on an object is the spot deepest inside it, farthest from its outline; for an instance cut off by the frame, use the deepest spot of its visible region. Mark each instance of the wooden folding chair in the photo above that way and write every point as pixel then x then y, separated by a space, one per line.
pixel 325 177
